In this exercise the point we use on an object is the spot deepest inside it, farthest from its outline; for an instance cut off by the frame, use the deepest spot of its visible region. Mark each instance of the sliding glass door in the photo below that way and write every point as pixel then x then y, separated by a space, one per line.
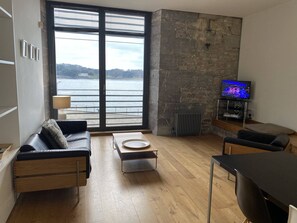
pixel 124 69
pixel 100 58
pixel 124 81
pixel 77 74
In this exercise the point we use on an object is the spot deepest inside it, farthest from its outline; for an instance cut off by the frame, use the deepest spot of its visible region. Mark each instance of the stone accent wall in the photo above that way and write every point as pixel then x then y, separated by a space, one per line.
pixel 190 54
pixel 154 71
pixel 45 60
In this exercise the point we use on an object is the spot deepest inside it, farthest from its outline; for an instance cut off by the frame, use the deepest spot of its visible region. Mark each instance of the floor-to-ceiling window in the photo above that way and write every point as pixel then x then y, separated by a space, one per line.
pixel 99 57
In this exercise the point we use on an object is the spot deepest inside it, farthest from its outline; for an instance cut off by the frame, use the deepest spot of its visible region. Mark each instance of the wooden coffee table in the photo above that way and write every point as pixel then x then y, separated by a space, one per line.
pixel 126 154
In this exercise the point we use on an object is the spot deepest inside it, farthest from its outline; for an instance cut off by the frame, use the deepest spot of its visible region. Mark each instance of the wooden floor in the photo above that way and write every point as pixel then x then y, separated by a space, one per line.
pixel 176 192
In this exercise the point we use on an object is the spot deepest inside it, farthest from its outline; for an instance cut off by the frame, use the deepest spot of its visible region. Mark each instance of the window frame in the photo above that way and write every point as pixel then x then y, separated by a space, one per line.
pixel 51 5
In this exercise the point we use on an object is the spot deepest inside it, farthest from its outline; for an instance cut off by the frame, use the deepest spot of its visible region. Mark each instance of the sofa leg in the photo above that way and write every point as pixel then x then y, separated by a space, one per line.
pixel 156 164
pixel 77 179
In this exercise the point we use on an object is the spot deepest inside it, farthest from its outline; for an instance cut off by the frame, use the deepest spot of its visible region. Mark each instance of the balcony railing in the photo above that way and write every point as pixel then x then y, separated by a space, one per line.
pixel 123 107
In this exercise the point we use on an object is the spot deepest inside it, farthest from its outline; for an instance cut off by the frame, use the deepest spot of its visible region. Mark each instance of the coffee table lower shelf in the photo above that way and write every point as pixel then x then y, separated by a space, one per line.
pixel 138 156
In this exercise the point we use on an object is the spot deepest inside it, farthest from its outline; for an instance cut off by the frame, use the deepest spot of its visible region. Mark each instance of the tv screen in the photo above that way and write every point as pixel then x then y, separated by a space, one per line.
pixel 236 89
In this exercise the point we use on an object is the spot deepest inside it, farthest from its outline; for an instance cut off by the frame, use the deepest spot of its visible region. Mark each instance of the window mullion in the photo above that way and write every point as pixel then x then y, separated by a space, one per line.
pixel 102 69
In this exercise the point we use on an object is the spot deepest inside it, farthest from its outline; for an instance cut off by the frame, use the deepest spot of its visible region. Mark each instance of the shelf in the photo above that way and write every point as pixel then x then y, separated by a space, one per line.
pixel 6 110
pixel 7 62
pixel 7 156
pixel 4 13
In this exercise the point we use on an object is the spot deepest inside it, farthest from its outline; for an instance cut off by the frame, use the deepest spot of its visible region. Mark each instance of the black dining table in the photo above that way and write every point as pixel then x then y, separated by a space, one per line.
pixel 275 173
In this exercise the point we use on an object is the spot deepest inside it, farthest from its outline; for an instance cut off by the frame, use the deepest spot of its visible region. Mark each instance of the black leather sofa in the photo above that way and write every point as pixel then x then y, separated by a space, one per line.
pixel 254 142
pixel 39 167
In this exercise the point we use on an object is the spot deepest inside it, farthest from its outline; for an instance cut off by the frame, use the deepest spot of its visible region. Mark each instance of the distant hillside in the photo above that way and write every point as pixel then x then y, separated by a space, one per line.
pixel 70 71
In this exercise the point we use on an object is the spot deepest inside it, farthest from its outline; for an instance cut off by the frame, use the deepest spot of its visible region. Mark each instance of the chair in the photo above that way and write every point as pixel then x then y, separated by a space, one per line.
pixel 292 214
pixel 254 205
pixel 253 142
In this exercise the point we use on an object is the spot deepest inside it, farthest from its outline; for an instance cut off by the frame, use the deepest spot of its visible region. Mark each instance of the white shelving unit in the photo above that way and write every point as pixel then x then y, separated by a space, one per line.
pixel 8 82
pixel 9 114
pixel 4 13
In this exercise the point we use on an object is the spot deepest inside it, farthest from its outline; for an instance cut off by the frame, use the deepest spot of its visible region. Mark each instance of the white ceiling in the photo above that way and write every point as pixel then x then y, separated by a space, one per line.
pixel 236 8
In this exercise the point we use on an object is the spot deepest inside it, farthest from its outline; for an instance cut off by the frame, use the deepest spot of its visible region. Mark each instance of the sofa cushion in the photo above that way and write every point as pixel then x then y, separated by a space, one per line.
pixel 78 144
pixel 53 135
pixel 77 136
pixel 72 126
pixel 255 136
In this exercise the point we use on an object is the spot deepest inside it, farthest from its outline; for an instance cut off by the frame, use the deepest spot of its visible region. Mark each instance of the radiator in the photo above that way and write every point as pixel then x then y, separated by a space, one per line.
pixel 187 124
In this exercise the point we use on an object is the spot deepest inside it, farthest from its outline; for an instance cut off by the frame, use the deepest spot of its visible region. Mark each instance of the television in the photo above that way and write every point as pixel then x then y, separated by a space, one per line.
pixel 240 90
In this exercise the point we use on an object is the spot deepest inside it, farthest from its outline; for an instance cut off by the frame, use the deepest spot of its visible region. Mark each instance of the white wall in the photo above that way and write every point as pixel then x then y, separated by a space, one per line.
pixel 29 72
pixel 29 88
pixel 268 58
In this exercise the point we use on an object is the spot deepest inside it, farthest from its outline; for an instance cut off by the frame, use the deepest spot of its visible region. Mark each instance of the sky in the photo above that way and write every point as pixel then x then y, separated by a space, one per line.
pixel 82 49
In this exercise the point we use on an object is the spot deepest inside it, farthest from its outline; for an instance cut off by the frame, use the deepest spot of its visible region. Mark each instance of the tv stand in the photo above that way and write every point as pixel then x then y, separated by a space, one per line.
pixel 232 109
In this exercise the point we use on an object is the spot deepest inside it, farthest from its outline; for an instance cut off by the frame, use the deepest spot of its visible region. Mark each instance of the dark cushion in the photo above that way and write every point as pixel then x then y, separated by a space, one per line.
pixel 37 142
pixel 77 136
pixel 83 143
pixel 70 127
pixel 255 136
pixel 281 141
pixel 78 140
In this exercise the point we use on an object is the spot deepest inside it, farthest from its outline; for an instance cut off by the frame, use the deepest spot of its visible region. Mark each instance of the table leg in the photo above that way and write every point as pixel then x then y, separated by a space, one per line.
pixel 122 166
pixel 210 189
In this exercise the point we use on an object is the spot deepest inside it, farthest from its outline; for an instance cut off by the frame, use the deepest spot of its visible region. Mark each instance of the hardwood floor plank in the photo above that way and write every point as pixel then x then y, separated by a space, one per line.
pixel 176 192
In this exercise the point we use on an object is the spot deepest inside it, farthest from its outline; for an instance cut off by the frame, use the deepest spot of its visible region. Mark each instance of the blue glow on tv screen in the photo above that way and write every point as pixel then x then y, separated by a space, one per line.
pixel 232 89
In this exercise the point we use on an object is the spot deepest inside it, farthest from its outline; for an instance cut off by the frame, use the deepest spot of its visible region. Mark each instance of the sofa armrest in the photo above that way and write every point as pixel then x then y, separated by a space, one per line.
pixel 251 144
pixel 255 136
pixel 57 153
pixel 70 127
pixel 281 141
pixel 47 174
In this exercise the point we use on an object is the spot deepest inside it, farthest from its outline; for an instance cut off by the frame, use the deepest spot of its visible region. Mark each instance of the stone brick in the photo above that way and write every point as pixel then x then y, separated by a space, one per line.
pixel 46 81
pixel 189 74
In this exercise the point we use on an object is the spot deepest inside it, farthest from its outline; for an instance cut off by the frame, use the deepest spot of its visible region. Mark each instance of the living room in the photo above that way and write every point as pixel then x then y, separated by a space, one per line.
pixel 192 48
